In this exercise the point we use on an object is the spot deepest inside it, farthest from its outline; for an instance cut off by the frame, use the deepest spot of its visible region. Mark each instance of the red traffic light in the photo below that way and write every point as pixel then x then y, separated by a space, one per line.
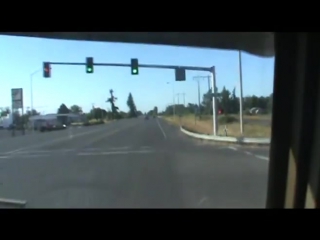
pixel 46 70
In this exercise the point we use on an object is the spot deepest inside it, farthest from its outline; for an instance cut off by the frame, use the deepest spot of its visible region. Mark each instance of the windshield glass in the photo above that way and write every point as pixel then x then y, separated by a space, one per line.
pixel 112 125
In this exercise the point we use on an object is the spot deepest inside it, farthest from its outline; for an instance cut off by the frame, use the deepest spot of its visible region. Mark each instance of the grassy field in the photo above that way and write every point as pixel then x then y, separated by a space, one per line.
pixel 204 126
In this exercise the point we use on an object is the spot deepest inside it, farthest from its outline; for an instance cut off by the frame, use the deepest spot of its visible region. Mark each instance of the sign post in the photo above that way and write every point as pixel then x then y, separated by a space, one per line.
pixel 16 104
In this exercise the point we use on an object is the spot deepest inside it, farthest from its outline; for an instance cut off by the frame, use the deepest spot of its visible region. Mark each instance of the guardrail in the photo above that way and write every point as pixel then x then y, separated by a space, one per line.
pixel 238 140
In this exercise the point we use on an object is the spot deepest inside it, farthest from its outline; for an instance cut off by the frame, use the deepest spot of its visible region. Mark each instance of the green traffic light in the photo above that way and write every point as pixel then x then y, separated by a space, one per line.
pixel 134 71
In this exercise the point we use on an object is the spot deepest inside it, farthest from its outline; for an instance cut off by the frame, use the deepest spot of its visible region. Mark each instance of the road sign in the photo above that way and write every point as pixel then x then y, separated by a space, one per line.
pixel 180 74
pixel 17 98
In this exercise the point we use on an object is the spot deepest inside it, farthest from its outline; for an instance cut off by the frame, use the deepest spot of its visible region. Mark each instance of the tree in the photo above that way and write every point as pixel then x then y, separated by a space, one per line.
pixel 225 100
pixel 4 111
pixel 132 106
pixel 155 110
pixel 230 103
pixel 75 109
pixel 32 113
pixel 270 103
pixel 234 102
pixel 98 113
pixel 114 108
pixel 63 109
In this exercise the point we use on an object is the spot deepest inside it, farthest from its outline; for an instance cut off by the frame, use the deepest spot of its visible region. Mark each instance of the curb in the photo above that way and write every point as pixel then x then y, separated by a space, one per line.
pixel 240 140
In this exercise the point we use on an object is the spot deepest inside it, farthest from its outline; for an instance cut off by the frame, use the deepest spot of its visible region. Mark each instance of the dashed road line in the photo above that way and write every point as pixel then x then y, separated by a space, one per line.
pixel 112 153
pixel 233 148
pixel 164 134
pixel 262 157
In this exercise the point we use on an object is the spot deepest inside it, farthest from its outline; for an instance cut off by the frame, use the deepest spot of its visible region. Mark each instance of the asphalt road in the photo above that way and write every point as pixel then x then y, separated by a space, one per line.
pixel 130 164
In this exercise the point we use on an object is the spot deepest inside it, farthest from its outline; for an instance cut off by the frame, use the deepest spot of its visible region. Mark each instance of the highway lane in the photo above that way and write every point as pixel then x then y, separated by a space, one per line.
pixel 131 163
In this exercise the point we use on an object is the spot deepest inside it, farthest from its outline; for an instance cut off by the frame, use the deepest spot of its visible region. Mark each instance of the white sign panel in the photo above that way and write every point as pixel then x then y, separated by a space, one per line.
pixel 17 104
pixel 17 98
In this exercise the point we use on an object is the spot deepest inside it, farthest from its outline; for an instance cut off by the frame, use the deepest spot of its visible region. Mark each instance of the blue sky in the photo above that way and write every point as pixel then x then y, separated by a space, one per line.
pixel 71 85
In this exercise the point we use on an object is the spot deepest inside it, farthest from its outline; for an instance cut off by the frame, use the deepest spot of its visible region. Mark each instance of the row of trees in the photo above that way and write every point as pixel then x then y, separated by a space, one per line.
pixel 227 101
pixel 94 113
pixel 99 113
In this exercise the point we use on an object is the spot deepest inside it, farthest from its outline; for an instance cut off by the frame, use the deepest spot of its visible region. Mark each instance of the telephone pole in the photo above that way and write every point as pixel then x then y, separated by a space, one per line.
pixel 184 99
pixel 197 78
pixel 241 94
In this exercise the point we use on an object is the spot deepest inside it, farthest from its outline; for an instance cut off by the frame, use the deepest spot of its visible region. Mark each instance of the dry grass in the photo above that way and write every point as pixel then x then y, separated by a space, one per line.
pixel 92 121
pixel 204 126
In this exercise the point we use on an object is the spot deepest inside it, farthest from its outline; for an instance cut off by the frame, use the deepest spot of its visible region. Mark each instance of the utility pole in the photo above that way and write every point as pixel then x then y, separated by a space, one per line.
pixel 173 98
pixel 178 94
pixel 241 94
pixel 184 99
pixel 197 78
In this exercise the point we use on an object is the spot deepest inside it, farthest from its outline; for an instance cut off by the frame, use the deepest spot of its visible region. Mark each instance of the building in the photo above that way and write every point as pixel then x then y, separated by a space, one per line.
pixel 71 117
pixel 6 121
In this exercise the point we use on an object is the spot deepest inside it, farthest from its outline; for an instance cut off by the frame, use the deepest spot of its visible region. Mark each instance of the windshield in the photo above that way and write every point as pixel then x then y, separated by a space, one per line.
pixel 112 125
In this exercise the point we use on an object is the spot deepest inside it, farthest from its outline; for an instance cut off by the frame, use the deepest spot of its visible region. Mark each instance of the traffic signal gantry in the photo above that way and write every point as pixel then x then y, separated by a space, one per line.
pixel 180 74
pixel 180 71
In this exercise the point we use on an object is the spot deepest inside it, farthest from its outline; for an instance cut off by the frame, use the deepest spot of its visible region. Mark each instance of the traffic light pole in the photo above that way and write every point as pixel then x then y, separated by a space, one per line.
pixel 214 101
pixel 140 66
pixel 31 94
pixel 210 69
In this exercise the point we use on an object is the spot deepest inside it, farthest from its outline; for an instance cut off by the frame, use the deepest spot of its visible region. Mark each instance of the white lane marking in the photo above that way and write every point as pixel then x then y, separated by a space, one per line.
pixel 249 153
pixel 118 148
pixel 41 151
pixel 34 155
pixel 17 150
pixel 145 147
pixel 202 201
pixel 60 140
pixel 12 201
pixel 111 153
pixel 91 149
pixel 233 148
pixel 3 157
pixel 262 157
pixel 164 134
pixel 28 152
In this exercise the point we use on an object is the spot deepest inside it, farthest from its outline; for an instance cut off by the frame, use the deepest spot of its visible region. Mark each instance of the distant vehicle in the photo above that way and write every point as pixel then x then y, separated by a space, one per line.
pixel 48 125
pixel 146 117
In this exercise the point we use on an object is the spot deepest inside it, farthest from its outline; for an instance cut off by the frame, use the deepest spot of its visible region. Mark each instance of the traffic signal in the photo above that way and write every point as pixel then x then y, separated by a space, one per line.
pixel 46 70
pixel 89 65
pixel 180 74
pixel 134 66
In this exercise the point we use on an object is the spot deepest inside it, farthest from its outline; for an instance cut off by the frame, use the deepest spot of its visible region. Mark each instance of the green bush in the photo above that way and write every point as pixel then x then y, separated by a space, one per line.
pixel 227 119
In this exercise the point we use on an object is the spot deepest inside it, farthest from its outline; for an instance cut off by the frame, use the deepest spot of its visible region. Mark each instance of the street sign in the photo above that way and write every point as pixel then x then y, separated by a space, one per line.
pixel 17 98
pixel 180 74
